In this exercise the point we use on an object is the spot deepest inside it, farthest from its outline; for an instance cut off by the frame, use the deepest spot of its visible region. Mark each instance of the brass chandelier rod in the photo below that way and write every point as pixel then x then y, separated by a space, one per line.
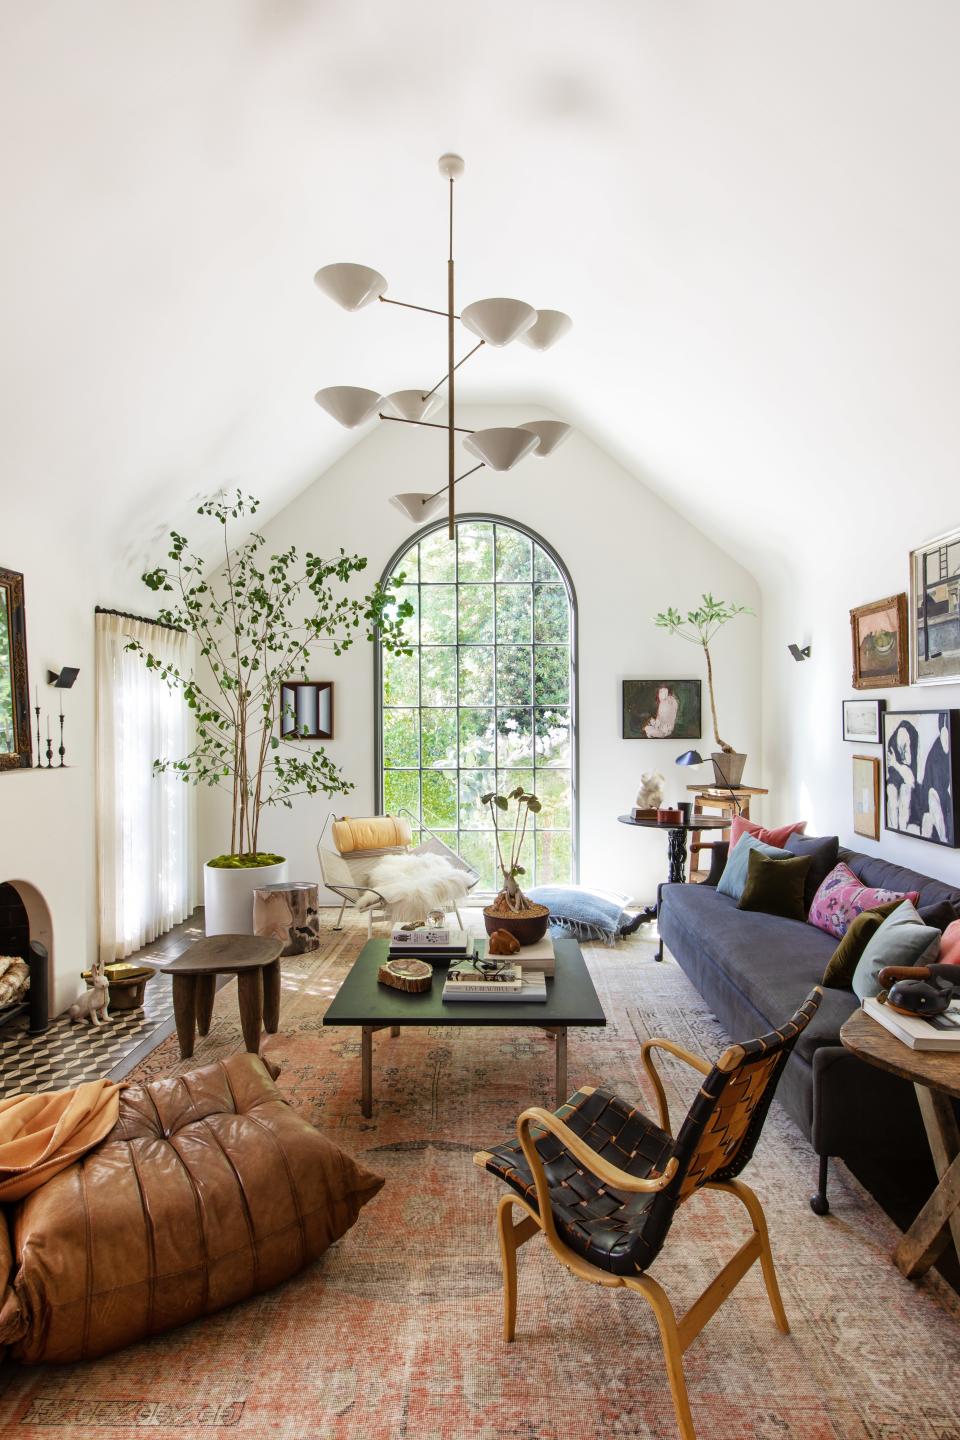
pixel 451 368
pixel 456 367
pixel 407 306
pixel 428 498
pixel 431 424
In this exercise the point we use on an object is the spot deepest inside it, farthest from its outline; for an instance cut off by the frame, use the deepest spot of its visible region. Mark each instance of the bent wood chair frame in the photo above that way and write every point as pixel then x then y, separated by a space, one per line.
pixel 680 1177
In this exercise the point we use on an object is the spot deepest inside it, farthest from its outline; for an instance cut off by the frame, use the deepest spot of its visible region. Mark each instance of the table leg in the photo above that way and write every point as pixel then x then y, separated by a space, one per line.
pixel 677 849
pixel 271 997
pixel 185 1011
pixel 929 1233
pixel 394 1031
pixel 250 995
pixel 206 989
pixel 366 1071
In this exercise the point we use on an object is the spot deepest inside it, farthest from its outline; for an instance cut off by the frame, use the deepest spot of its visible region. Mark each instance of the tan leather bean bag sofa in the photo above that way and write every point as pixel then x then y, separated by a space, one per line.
pixel 209 1189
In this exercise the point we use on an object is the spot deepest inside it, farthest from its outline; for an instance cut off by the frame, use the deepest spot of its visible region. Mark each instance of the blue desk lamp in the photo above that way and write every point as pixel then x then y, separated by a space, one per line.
pixel 693 757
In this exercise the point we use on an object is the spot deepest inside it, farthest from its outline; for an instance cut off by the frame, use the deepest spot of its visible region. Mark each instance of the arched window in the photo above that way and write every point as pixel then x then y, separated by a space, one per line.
pixel 487 699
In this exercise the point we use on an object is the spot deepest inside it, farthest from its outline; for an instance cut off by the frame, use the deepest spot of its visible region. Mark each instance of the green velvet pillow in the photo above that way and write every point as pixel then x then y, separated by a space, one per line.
pixel 775 886
pixel 844 960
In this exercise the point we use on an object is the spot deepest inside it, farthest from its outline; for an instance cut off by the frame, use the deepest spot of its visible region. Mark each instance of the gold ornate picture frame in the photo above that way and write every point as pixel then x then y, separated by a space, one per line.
pixel 878 634
pixel 16 751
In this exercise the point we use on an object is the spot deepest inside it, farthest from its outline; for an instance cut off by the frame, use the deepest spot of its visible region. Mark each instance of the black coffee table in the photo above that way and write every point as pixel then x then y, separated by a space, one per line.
pixel 571 1000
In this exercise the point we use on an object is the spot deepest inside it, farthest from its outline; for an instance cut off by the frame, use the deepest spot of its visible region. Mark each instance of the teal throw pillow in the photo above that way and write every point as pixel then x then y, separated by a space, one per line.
pixel 902 939
pixel 734 876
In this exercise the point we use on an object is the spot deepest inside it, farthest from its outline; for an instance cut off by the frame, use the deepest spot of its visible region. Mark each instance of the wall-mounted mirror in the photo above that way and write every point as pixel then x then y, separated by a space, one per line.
pixel 306 710
pixel 15 748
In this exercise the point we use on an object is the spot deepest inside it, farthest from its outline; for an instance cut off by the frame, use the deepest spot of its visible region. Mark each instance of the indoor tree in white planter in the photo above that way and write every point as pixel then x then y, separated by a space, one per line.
pixel 699 627
pixel 257 623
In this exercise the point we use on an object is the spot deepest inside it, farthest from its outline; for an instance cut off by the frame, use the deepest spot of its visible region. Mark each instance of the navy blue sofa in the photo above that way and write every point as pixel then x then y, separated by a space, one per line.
pixel 754 970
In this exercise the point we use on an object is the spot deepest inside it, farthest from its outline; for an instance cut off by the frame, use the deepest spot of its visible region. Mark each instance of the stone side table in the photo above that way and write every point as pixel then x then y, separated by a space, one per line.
pixel 289 912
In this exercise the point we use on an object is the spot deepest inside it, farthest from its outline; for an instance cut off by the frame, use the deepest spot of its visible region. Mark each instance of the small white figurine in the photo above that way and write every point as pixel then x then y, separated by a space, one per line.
pixel 650 794
pixel 94 1005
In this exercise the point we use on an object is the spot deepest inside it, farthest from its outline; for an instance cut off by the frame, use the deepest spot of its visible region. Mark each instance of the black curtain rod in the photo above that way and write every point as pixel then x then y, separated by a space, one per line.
pixel 142 619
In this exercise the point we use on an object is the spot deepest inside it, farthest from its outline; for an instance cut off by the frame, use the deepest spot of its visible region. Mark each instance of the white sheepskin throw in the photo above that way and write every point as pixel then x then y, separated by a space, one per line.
pixel 413 884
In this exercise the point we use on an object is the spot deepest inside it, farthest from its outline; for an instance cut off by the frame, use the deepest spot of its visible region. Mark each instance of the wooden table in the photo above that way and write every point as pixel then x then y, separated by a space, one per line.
pixel 936 1077
pixel 254 959
pixel 715 797
pixel 676 851
pixel 361 1001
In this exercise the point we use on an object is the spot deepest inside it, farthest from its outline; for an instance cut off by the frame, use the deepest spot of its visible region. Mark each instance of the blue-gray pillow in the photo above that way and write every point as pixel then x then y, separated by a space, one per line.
pixel 902 939
pixel 734 876
pixel 823 851
pixel 585 914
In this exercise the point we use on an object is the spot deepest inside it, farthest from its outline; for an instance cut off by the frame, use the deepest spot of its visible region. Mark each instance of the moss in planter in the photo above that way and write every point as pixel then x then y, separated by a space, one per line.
pixel 245 862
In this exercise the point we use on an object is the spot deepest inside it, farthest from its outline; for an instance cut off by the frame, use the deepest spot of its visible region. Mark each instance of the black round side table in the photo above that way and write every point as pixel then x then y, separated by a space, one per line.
pixel 676 832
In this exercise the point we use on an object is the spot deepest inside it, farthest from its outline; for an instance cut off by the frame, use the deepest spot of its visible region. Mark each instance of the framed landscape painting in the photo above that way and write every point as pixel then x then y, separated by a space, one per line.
pixel 920 762
pixel 861 721
pixel 866 796
pixel 661 709
pixel 935 610
pixel 880 647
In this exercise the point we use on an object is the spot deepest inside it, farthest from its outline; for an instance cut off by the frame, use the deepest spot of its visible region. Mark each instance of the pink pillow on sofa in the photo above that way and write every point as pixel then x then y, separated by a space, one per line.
pixel 950 944
pixel 739 826
pixel 842 897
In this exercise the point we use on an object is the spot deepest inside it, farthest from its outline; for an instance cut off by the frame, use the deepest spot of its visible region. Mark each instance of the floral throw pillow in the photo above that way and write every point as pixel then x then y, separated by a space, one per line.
pixel 842 897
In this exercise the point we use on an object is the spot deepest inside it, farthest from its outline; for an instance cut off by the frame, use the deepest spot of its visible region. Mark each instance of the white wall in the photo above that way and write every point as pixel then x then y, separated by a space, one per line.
pixel 808 762
pixel 628 554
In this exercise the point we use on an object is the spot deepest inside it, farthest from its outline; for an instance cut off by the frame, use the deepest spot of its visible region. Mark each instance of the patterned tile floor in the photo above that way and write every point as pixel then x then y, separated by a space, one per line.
pixel 68 1053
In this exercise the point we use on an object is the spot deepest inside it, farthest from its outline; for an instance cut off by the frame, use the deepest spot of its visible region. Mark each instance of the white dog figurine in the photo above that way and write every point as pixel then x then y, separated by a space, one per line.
pixel 95 1004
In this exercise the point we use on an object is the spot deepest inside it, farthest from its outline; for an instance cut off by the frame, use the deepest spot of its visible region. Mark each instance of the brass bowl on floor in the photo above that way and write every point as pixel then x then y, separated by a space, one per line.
pixel 527 928
pixel 127 984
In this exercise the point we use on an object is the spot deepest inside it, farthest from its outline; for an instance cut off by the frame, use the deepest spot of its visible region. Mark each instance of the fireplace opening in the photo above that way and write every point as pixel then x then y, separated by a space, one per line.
pixel 26 933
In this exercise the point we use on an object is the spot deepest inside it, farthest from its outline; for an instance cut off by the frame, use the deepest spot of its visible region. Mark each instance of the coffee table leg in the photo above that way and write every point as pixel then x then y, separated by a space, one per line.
pixel 561 1058
pixel 366 1071
pixel 206 989
pixel 394 1031
pixel 250 995
pixel 940 1217
pixel 185 1011
pixel 271 997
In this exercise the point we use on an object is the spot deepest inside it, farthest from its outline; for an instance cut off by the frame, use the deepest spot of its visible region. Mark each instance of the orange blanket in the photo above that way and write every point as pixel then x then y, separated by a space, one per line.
pixel 41 1134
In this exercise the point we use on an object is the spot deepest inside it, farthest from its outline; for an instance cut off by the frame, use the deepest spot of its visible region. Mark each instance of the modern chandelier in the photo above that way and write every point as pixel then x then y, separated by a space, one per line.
pixel 496 322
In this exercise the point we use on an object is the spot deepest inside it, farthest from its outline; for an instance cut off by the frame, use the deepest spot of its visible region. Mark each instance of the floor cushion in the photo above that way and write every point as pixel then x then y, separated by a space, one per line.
pixel 209 1189
pixel 581 912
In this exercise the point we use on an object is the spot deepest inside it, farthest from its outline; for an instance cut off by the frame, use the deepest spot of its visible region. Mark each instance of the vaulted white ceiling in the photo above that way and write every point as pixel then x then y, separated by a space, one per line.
pixel 751 210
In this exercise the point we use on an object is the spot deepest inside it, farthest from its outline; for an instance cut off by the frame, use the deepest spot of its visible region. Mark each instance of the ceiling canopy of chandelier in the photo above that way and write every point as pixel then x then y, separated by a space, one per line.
pixel 496 322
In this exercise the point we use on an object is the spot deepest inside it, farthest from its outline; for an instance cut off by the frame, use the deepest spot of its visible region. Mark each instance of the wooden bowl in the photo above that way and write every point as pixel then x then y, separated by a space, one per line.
pixel 527 929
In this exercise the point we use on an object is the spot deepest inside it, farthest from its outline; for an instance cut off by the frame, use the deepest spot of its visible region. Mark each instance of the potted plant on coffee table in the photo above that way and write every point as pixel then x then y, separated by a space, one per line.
pixel 699 627
pixel 511 910
pixel 257 621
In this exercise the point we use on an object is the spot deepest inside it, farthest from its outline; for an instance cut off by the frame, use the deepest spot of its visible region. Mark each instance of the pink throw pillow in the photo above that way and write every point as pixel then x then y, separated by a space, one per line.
pixel 842 897
pixel 739 826
pixel 950 944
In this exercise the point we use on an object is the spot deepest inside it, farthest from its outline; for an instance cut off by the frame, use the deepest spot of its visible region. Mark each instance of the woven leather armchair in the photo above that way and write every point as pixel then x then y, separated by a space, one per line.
pixel 602 1182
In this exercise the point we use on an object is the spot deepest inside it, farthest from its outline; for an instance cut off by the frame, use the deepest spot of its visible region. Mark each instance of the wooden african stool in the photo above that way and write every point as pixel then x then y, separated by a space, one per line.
pixel 254 959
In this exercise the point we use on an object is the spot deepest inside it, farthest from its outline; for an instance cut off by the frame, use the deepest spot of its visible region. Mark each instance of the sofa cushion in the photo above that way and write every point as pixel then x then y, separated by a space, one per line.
pixel 842 897
pixel 872 870
pixel 775 886
pixel 844 960
pixel 950 945
pixel 735 871
pixel 902 939
pixel 209 1189
pixel 823 850
pixel 740 825
pixel 940 914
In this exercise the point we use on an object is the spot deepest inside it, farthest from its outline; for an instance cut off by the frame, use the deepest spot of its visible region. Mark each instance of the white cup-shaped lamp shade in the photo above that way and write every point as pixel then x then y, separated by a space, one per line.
pixel 350 405
pixel 419 506
pixel 502 446
pixel 550 434
pixel 410 404
pixel 498 321
pixel 351 286
pixel 549 327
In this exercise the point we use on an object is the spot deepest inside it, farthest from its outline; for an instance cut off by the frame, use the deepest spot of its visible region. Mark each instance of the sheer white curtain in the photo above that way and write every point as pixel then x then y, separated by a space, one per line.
pixel 146 831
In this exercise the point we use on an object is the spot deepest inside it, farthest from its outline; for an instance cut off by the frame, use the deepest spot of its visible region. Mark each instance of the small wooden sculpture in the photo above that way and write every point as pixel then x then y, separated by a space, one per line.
pixel 411 975
pixel 501 942
pixel 95 1004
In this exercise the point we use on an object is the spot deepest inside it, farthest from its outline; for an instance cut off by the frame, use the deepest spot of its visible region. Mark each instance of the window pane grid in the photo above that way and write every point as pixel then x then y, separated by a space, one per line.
pixel 492 653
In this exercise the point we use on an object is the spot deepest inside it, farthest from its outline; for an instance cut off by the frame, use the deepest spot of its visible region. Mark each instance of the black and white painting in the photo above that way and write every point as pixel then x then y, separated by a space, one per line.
pixel 920 750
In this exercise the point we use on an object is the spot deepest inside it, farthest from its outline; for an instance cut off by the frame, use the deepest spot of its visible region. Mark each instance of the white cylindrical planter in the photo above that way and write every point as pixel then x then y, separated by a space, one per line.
pixel 228 896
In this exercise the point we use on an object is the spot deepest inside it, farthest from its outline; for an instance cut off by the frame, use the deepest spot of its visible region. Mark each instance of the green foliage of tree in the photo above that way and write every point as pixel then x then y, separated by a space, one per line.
pixel 256 625
pixel 699 627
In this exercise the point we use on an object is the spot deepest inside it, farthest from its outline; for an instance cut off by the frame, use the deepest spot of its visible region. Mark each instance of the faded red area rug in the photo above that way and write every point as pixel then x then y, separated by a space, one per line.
pixel 396 1332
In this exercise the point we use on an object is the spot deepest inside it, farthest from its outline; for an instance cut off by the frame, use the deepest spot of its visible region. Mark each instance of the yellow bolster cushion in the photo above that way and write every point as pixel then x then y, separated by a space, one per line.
pixel 379 832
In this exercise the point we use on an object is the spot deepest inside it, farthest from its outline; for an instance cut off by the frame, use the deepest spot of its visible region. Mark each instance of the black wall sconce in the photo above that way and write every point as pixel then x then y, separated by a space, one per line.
pixel 63 679
pixel 798 653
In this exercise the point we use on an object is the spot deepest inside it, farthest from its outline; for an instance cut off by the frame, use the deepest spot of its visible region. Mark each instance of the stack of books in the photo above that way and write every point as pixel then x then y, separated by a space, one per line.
pixel 465 982
pixel 939 1032
pixel 429 944
pixel 532 957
